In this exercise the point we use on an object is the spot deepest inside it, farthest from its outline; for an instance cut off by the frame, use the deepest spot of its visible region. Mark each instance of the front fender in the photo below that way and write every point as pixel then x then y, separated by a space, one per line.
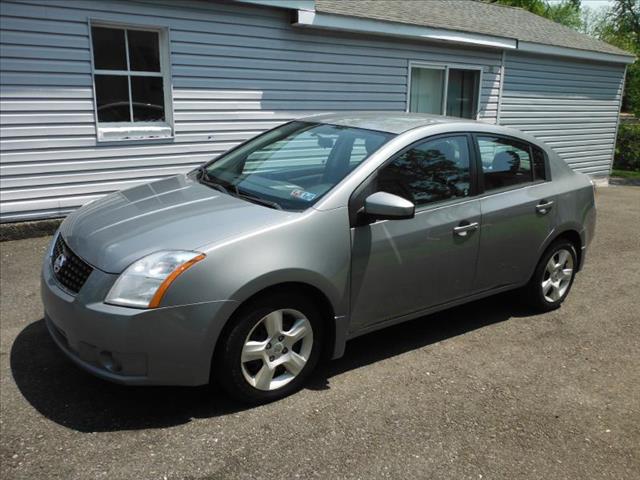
pixel 292 275
pixel 313 249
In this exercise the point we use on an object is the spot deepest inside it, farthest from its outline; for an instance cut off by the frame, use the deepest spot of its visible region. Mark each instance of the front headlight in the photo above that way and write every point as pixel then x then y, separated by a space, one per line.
pixel 144 283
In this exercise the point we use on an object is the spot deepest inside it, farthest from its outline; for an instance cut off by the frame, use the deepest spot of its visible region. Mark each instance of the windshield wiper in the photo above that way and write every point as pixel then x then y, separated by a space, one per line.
pixel 261 201
pixel 206 180
pixel 202 172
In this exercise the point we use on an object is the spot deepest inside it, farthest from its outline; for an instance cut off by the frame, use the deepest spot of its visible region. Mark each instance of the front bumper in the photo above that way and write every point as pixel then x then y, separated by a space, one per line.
pixel 162 346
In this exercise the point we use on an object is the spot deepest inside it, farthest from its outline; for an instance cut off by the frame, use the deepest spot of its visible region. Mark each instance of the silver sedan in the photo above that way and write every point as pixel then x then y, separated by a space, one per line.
pixel 253 267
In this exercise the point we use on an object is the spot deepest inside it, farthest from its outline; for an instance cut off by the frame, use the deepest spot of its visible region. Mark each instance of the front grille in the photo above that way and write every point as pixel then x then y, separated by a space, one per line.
pixel 69 269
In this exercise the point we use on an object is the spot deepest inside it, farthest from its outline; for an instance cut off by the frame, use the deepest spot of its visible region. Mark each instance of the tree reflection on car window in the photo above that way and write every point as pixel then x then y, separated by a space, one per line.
pixel 432 171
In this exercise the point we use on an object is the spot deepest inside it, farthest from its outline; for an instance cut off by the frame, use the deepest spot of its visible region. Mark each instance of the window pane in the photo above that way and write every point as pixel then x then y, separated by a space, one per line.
pixel 462 93
pixel 539 168
pixel 435 170
pixel 427 86
pixel 148 99
pixel 144 54
pixel 112 98
pixel 108 48
pixel 504 162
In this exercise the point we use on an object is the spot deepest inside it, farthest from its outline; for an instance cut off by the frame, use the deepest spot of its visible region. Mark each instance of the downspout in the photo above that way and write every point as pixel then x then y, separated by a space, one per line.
pixel 502 71
pixel 615 139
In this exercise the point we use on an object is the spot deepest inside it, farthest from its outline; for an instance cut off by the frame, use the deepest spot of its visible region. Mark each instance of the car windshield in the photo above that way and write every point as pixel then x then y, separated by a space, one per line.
pixel 291 167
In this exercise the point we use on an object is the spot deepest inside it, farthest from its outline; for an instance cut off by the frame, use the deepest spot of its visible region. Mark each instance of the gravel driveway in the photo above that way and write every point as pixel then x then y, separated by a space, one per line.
pixel 483 391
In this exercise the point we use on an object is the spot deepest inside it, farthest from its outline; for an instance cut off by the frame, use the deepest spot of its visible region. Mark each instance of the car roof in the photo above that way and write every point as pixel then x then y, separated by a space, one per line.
pixel 401 122
pixel 392 122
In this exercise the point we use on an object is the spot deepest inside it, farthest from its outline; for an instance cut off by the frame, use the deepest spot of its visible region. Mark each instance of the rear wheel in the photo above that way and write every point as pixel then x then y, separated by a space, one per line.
pixel 271 348
pixel 553 277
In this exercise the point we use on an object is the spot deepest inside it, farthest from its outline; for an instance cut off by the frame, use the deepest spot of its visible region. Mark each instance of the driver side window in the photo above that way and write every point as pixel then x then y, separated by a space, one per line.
pixel 428 172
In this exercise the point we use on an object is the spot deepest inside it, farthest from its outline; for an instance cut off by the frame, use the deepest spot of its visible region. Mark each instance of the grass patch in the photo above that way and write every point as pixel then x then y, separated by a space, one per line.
pixel 626 174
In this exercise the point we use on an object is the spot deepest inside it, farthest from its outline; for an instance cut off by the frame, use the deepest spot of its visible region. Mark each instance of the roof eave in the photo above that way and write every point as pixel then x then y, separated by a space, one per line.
pixel 314 19
pixel 287 4
pixel 575 53
pixel 326 21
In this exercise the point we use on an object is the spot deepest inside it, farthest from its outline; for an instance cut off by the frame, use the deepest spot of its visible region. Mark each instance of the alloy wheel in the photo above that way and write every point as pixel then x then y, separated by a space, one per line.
pixel 557 275
pixel 276 349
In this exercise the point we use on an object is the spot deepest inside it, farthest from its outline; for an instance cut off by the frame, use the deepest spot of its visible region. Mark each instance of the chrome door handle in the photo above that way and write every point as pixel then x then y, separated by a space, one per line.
pixel 464 228
pixel 544 207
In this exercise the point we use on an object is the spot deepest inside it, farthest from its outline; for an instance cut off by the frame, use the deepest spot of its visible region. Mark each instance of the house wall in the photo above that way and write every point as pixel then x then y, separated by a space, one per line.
pixel 572 106
pixel 236 71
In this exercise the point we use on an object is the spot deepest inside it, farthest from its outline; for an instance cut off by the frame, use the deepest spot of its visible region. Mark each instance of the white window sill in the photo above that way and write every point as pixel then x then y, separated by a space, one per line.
pixel 127 133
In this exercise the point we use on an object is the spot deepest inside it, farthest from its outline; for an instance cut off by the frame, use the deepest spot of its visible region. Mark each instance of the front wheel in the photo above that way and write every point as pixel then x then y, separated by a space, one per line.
pixel 553 277
pixel 273 345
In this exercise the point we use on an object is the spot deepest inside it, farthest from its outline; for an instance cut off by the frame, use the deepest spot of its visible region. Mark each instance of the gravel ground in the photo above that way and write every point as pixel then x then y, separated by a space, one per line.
pixel 483 391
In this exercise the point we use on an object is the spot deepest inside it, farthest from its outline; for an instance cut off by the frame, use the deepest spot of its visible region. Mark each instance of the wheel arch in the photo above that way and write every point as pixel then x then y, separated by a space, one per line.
pixel 569 232
pixel 307 289
pixel 574 237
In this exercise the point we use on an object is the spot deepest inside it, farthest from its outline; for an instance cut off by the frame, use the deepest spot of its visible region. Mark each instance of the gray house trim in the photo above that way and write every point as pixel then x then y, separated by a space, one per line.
pixel 288 4
pixel 308 18
pixel 575 53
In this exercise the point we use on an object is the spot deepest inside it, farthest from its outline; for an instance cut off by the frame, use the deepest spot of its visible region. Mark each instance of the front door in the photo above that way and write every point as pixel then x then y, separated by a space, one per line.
pixel 404 266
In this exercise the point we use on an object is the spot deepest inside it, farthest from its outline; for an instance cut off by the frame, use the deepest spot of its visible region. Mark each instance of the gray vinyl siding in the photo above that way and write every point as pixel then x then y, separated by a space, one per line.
pixel 236 71
pixel 573 106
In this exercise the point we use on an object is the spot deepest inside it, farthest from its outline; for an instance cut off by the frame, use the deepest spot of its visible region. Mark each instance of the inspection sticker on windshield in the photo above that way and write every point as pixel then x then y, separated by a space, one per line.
pixel 302 195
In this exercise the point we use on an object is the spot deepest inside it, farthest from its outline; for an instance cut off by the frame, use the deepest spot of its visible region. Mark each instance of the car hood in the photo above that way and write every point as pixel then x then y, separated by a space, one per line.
pixel 177 213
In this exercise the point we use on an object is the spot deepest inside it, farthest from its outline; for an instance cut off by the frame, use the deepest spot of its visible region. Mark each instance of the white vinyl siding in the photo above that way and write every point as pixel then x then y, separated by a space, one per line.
pixel 236 71
pixel 571 105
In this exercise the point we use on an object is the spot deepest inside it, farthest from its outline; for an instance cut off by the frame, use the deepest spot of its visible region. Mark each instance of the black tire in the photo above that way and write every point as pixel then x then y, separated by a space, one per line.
pixel 227 368
pixel 533 291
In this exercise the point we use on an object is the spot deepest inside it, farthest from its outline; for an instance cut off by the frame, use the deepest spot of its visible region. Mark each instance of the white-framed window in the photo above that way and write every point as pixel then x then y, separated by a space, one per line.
pixel 131 82
pixel 444 89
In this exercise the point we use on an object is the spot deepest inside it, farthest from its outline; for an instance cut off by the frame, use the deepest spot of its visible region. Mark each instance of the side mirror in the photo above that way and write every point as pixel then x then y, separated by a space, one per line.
pixel 386 206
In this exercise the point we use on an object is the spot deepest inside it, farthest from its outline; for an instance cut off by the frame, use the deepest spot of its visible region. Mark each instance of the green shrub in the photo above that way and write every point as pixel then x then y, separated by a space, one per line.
pixel 628 148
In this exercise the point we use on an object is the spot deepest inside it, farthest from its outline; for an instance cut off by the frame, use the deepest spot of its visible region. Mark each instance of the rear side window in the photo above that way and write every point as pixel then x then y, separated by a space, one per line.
pixel 429 172
pixel 539 164
pixel 505 162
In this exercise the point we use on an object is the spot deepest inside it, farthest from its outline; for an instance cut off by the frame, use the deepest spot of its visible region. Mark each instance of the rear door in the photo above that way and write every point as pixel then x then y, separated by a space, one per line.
pixel 518 210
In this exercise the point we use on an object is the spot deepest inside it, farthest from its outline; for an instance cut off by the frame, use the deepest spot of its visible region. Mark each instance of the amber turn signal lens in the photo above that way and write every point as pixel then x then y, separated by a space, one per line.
pixel 164 286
